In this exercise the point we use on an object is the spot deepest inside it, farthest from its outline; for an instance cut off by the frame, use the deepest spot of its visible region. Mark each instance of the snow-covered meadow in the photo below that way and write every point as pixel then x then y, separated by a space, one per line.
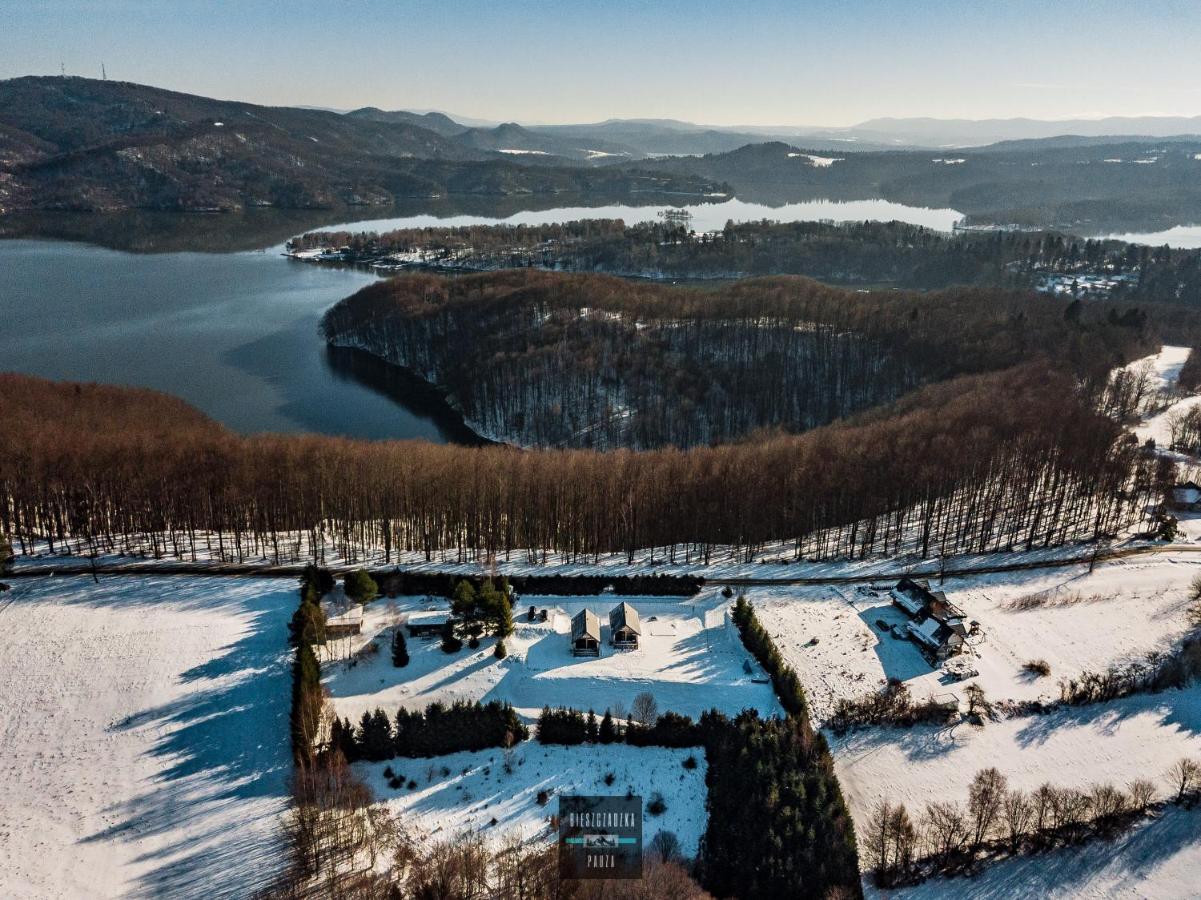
pixel 145 736
pixel 1074 620
pixel 497 794
pixel 691 659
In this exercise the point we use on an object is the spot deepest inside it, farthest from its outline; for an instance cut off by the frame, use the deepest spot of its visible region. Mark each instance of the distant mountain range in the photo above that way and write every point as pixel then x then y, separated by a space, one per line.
pixel 659 137
pixel 83 144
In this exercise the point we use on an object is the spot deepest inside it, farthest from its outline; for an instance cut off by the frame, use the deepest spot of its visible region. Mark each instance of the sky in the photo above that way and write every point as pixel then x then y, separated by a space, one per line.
pixel 742 62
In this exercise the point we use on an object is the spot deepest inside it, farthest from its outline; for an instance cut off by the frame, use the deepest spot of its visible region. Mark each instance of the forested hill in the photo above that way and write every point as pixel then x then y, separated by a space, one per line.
pixel 552 360
pixel 1141 185
pixel 82 144
pixel 852 253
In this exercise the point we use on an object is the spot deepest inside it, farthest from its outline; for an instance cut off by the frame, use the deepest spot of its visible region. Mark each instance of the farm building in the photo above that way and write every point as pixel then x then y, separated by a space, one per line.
pixel 938 624
pixel 911 596
pixel 342 623
pixel 427 624
pixel 1186 496
pixel 625 628
pixel 585 633
pixel 942 639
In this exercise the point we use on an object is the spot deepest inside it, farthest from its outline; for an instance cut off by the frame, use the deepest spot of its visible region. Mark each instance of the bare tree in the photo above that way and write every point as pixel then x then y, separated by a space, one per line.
pixel 985 797
pixel 1016 815
pixel 1042 803
pixel 666 846
pixel 946 829
pixel 1107 804
pixel 1184 775
pixel 645 709
pixel 1142 794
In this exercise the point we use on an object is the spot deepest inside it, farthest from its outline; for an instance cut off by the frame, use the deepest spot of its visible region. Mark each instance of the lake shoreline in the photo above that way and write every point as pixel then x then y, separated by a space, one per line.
pixel 406 387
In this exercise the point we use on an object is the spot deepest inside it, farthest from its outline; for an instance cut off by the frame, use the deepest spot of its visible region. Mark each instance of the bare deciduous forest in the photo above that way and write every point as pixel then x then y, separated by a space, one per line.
pixel 551 360
pixel 1000 461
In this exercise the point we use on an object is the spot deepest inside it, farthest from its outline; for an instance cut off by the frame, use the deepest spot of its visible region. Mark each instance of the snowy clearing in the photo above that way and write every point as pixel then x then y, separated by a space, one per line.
pixel 690 658
pixel 818 162
pixel 1074 620
pixel 145 736
pixel 476 789
pixel 1136 737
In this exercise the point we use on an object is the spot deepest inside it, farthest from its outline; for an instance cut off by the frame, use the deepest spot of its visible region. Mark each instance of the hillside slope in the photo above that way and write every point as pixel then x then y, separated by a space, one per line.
pixel 82 144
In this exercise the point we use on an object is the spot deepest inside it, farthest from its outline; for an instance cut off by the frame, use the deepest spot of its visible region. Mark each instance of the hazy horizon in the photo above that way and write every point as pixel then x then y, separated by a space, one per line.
pixel 772 64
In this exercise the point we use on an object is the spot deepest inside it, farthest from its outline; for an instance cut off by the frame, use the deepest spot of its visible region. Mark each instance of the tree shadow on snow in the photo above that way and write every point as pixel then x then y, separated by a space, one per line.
pixel 225 748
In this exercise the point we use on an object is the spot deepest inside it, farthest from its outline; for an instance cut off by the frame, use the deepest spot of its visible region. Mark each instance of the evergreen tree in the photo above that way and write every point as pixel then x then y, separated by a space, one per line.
pixel 501 651
pixel 400 650
pixel 375 736
pixel 504 616
pixel 590 729
pixel 361 586
pixel 450 642
pixel 463 600
pixel 607 733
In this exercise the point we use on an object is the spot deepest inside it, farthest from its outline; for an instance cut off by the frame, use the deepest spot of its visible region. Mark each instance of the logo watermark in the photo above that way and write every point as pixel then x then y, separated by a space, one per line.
pixel 600 837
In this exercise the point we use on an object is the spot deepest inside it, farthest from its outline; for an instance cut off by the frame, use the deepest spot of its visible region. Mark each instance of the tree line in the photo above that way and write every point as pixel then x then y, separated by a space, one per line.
pixel 437 730
pixel 949 837
pixel 1010 460
pixel 851 253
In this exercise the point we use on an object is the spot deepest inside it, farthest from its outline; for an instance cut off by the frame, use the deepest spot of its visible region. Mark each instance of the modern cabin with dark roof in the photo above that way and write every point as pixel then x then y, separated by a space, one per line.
pixel 625 627
pixel 585 633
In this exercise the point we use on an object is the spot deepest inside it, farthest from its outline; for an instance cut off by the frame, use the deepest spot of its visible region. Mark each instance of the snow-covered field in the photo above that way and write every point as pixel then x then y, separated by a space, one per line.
pixel 1074 620
pixel 690 659
pixel 1159 860
pixel 145 736
pixel 1136 737
pixel 466 791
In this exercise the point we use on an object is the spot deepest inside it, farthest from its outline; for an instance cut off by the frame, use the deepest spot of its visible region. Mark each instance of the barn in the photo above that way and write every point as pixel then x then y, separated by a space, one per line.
pixel 344 624
pixel 585 633
pixel 625 628
pixel 428 624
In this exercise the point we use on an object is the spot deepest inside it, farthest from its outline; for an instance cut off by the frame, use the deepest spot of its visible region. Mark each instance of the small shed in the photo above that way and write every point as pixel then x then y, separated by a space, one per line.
pixel 585 633
pixel 428 624
pixel 1186 496
pixel 625 628
pixel 344 623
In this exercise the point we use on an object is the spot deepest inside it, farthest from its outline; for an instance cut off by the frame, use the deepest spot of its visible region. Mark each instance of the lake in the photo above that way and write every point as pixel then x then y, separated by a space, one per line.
pixel 234 332
pixel 705 216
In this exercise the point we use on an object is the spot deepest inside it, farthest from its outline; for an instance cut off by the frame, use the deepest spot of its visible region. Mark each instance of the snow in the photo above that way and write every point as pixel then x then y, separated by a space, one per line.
pixel 1162 368
pixel 1074 620
pixel 1158 860
pixel 818 162
pixel 518 152
pixel 145 736
pixel 477 789
pixel 949 162
pixel 1137 737
pixel 690 658
pixel 1163 371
